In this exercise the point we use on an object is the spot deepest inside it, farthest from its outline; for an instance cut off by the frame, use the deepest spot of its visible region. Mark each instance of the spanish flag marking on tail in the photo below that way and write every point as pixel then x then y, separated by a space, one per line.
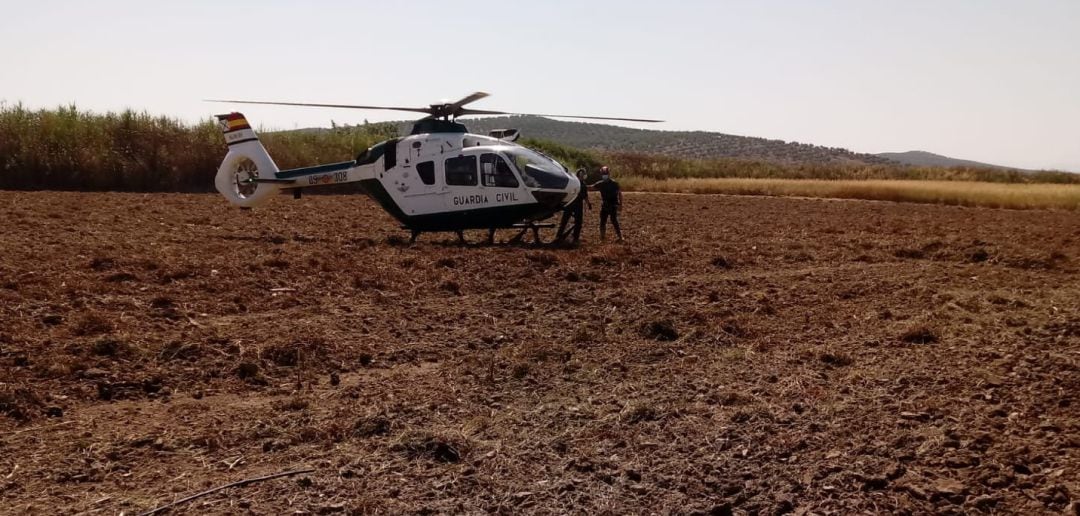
pixel 233 122
pixel 236 125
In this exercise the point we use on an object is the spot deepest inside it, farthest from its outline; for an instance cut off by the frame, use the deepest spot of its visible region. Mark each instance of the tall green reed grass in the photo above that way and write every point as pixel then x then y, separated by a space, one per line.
pixel 71 149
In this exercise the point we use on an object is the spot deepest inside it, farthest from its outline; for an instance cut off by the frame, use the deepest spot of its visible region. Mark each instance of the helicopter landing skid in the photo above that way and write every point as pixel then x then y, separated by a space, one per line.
pixel 517 239
pixel 520 236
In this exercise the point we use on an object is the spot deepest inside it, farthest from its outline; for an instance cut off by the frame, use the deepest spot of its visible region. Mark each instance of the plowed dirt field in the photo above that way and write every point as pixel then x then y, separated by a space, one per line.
pixel 734 355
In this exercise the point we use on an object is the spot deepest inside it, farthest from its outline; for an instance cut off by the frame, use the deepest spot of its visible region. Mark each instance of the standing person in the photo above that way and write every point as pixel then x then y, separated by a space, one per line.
pixel 575 209
pixel 610 202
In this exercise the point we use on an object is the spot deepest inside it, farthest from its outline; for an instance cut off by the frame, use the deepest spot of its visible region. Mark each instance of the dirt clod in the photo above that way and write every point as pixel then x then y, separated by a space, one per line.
pixel 91 324
pixel 94 373
pixel 662 330
pixel 110 347
pixel 421 444
pixel 640 412
pixel 365 359
pixel 978 256
pixel 20 404
pixel 724 509
pixel 291 354
pixel 920 335
pixel 520 370
pixel 836 359
pixel 331 508
pixel 370 426
pixel 247 370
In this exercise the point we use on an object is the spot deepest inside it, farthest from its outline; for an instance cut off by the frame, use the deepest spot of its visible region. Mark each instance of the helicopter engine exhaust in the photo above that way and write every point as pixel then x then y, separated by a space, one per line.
pixel 238 176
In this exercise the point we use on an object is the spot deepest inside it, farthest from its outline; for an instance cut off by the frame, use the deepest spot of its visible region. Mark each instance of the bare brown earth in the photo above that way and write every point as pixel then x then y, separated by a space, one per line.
pixel 746 355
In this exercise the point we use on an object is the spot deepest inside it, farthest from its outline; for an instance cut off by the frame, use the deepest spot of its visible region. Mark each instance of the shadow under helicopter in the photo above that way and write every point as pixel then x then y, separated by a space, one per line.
pixel 525 235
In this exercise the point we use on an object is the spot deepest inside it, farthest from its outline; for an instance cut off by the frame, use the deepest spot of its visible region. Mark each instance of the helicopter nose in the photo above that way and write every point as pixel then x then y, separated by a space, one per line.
pixel 572 189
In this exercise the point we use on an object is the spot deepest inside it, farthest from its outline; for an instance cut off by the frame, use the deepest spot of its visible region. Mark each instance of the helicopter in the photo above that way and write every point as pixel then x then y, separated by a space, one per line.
pixel 438 178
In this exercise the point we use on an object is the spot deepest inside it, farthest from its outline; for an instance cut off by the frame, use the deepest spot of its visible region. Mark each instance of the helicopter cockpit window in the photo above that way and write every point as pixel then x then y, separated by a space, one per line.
pixel 494 171
pixel 538 171
pixel 426 171
pixel 461 171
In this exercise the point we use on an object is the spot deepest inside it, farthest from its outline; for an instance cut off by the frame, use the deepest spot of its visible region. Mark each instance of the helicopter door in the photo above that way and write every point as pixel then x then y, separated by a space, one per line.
pixel 462 183
pixel 498 181
pixel 425 193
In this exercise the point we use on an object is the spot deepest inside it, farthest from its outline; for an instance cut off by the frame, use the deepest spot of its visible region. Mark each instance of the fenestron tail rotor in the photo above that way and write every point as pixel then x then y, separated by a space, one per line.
pixel 442 110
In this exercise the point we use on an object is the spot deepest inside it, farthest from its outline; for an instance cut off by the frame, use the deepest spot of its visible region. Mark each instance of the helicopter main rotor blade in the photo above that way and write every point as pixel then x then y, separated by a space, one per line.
pixel 343 106
pixel 456 106
pixel 455 109
pixel 465 112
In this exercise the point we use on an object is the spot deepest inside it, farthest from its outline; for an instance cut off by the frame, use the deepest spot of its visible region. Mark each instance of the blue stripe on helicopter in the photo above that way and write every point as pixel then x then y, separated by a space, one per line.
pixel 317 169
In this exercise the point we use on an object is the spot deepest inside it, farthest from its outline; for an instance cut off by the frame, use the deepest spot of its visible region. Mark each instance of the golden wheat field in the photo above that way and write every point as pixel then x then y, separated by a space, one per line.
pixel 956 193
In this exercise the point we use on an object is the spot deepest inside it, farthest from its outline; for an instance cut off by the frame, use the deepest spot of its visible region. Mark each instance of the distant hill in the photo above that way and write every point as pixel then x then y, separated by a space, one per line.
pixel 929 159
pixel 698 144
pixel 683 144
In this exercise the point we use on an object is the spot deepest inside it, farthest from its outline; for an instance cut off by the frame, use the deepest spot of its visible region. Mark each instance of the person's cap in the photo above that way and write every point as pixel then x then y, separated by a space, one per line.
pixel 603 169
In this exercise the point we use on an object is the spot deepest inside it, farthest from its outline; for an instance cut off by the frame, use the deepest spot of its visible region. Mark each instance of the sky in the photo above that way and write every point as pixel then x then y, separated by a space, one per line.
pixel 988 80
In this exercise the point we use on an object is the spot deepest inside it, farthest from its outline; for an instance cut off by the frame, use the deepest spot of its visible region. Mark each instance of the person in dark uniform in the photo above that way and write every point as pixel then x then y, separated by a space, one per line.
pixel 575 209
pixel 610 202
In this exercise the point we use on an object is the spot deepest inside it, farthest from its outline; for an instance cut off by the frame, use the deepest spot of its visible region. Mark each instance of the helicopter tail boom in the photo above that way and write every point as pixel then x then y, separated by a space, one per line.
pixel 240 178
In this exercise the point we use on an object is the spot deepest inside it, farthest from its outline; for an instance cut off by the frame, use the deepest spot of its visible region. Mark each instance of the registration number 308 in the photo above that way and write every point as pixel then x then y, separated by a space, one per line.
pixel 325 179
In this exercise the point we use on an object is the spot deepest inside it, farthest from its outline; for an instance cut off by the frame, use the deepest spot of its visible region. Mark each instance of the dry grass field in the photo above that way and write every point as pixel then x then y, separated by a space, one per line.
pixel 746 355
pixel 956 193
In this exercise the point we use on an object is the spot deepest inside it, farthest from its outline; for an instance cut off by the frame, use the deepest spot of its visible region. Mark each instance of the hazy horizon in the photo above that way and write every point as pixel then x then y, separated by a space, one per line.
pixel 992 81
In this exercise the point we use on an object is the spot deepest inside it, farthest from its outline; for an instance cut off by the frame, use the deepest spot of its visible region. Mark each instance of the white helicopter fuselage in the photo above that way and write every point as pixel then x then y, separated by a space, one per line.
pixel 430 181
